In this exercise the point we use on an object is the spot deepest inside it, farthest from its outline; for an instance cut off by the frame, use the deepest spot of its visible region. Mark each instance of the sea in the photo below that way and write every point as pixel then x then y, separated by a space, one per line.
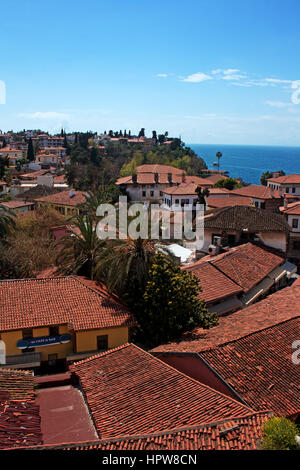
pixel 250 161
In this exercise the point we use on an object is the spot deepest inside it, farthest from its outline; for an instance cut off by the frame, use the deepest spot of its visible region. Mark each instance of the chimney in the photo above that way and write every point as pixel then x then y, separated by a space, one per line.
pixel 156 178
pixel 170 178
pixel 285 204
pixel 134 178
pixel 183 178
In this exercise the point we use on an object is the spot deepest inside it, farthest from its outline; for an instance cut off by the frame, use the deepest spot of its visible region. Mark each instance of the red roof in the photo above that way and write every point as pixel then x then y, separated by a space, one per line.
pixel 293 208
pixel 131 392
pixel 43 302
pixel 182 189
pixel 64 198
pixel 247 264
pixel 19 417
pixel 237 434
pixel 153 168
pixel 16 204
pixel 276 308
pixel 257 192
pixel 286 179
pixel 227 201
pixel 214 284
pixel 260 368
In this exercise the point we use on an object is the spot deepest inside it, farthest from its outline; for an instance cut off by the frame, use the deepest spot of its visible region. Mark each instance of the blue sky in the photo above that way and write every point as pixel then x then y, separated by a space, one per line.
pixel 212 71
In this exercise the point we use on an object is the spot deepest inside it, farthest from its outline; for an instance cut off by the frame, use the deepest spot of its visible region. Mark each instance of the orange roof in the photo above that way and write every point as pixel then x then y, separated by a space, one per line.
pixel 274 309
pixel 231 434
pixel 293 208
pixel 227 201
pixel 63 198
pixel 130 392
pixel 29 303
pixel 260 369
pixel 149 178
pixel 16 204
pixel 287 179
pixel 182 189
pixel 257 191
pixel 214 284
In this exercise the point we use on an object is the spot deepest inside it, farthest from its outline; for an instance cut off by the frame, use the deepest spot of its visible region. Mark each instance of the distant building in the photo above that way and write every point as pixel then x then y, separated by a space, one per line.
pixel 288 184
pixel 19 207
pixel 65 202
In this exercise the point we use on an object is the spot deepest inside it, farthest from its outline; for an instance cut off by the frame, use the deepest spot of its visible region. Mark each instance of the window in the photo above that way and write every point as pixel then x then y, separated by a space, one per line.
pixel 53 331
pixel 27 334
pixel 262 205
pixel 293 190
pixel 295 223
pixel 287 190
pixel 256 204
pixel 151 193
pixel 52 359
pixel 296 245
pixel 176 202
pixel 144 193
pixel 160 193
pixel 102 342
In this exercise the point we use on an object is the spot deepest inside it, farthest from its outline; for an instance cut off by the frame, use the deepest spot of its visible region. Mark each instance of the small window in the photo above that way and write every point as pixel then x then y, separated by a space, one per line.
pixel 52 359
pixel 295 223
pixel 144 193
pixel 102 342
pixel 151 193
pixel 293 190
pixel 256 204
pixel 287 190
pixel 262 205
pixel 296 245
pixel 27 334
pixel 53 331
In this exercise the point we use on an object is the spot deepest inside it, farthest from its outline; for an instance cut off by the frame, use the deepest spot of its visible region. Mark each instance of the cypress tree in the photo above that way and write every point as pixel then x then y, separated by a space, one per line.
pixel 30 151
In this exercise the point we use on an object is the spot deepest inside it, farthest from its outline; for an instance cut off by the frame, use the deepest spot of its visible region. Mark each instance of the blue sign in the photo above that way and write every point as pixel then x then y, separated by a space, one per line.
pixel 43 341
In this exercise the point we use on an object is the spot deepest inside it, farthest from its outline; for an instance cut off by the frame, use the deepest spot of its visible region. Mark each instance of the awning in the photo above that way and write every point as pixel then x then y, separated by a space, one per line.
pixel 262 287
pixel 286 269
pixel 225 306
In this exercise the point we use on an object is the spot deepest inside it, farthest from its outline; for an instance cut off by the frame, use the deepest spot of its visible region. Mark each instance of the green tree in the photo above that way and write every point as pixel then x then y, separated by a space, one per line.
pixel 30 151
pixel 202 195
pixel 170 305
pixel 268 174
pixel 80 248
pixel 279 434
pixel 4 163
pixel 218 155
pixel 7 223
pixel 123 261
pixel 228 183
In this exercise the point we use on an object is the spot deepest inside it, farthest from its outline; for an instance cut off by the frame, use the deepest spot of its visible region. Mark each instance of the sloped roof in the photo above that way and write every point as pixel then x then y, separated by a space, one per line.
pixel 155 168
pixel 260 368
pixel 130 392
pixel 245 217
pixel 214 284
pixel 295 178
pixel 238 434
pixel 18 383
pixel 257 191
pixel 227 201
pixel 274 309
pixel 28 303
pixel 64 198
pixel 293 208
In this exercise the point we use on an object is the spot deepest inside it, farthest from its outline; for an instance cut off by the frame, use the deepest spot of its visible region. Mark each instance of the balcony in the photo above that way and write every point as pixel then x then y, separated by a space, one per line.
pixel 26 360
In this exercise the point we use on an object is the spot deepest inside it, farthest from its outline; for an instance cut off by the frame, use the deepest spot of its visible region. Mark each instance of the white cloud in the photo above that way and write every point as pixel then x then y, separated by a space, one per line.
pixel 230 71
pixel 277 80
pixel 45 115
pixel 197 77
pixel 277 104
pixel 162 75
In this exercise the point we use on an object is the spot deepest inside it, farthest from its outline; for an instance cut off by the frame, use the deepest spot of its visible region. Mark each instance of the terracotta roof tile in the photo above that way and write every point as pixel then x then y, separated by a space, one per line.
pixel 130 392
pixel 63 197
pixel 238 434
pixel 260 369
pixel 43 302
pixel 257 191
pixel 245 217
pixel 227 201
pixel 286 179
pixel 274 309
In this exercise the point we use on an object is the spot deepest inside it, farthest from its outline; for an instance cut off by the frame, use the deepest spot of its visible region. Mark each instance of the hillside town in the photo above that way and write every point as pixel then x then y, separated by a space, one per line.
pixel 144 343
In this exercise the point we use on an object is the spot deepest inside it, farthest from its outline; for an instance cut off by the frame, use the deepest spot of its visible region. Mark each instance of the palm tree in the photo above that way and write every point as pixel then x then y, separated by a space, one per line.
pixel 218 155
pixel 123 261
pixel 80 248
pixel 7 222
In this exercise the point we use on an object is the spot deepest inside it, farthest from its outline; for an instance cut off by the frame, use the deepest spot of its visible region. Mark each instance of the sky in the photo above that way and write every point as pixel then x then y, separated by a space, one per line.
pixel 210 71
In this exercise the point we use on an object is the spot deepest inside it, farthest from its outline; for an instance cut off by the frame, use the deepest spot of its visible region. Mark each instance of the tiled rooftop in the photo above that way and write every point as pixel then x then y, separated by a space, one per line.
pixel 245 217
pixel 18 383
pixel 260 369
pixel 64 198
pixel 238 434
pixel 274 309
pixel 286 179
pixel 227 201
pixel 43 302
pixel 131 392
pixel 257 192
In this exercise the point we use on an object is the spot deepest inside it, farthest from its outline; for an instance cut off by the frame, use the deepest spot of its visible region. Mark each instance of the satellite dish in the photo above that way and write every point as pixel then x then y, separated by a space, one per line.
pixel 2 352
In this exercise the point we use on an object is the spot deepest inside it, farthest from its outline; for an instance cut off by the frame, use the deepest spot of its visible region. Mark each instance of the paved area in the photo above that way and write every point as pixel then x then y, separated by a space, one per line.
pixel 64 416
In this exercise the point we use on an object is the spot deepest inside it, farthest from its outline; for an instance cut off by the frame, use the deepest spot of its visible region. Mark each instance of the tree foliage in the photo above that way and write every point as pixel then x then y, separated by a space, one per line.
pixel 279 434
pixel 228 183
